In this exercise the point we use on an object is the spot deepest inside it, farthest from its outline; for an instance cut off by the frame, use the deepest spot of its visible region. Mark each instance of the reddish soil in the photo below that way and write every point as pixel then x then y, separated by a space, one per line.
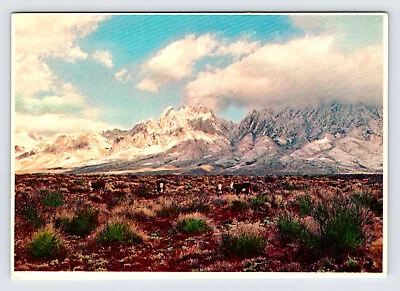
pixel 164 248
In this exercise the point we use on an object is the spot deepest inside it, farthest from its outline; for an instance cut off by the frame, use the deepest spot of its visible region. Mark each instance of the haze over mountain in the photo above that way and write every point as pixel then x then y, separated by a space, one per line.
pixel 330 138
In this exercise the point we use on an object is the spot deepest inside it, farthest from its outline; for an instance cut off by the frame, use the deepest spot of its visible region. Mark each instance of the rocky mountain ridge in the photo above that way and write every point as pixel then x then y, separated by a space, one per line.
pixel 332 138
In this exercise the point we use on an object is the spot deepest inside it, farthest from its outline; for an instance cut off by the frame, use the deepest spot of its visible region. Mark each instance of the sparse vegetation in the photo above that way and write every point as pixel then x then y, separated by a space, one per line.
pixel 320 226
pixel 167 207
pixel 53 199
pixel 199 204
pixel 32 216
pixel 143 191
pixel 238 205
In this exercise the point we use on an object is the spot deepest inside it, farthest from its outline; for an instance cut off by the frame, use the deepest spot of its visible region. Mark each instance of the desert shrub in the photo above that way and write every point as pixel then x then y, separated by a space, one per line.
pixel 141 210
pixel 289 186
pixel 370 201
pixel 167 207
pixel 115 198
pixel 305 204
pixel 53 199
pixel 192 224
pixel 246 240
pixel 143 191
pixel 258 202
pixel 83 223
pixel 32 216
pixel 294 230
pixel 198 204
pixel 119 232
pixel 46 244
pixel 79 182
pixel 340 228
pixel 142 213
pixel 238 205
pixel 340 225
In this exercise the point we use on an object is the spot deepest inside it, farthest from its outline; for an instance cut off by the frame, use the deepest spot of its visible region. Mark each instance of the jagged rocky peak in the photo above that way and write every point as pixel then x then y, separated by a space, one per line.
pixel 190 111
pixel 186 119
pixel 294 127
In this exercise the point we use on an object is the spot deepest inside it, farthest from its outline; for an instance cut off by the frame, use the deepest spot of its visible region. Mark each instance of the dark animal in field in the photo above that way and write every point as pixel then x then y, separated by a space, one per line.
pixel 244 188
pixel 161 187
pixel 97 185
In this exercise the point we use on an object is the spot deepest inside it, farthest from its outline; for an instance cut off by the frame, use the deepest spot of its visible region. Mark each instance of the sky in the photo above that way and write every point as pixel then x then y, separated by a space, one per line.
pixel 76 73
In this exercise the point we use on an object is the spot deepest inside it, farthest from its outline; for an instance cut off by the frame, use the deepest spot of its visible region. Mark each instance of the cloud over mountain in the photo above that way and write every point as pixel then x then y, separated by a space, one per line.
pixel 301 71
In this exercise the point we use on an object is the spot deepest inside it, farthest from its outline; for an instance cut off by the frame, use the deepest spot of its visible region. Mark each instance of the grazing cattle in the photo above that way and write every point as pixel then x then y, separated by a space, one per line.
pixel 219 188
pixel 241 187
pixel 160 187
pixel 97 185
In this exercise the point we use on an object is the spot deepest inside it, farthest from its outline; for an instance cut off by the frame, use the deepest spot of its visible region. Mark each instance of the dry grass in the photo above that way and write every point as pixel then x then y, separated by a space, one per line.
pixel 245 239
pixel 119 230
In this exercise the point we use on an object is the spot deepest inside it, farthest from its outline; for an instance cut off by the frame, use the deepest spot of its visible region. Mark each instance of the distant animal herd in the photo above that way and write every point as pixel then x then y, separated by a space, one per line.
pixel 161 185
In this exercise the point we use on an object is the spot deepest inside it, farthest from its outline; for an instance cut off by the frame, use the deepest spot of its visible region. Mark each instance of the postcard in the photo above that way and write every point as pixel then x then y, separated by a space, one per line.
pixel 197 145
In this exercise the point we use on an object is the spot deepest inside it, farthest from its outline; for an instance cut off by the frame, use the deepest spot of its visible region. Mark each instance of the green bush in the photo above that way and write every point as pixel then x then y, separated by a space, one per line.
pixel 340 227
pixel 53 199
pixel 119 232
pixel 83 223
pixel 32 216
pixel 192 224
pixel 305 203
pixel 258 202
pixel 294 230
pixel 245 241
pixel 370 201
pixel 46 244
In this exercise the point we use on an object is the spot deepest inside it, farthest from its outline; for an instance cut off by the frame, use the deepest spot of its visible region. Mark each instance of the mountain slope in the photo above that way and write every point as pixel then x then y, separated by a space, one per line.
pixel 326 139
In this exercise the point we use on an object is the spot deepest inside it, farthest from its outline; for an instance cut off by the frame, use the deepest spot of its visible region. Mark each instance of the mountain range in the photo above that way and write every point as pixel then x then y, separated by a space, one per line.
pixel 330 138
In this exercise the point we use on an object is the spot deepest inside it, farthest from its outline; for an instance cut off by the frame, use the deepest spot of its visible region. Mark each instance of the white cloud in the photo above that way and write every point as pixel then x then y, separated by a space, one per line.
pixel 123 76
pixel 32 75
pixel 53 35
pixel 148 85
pixel 351 32
pixel 104 58
pixel 175 61
pixel 238 48
pixel 42 99
pixel 67 100
pixel 38 37
pixel 301 71
pixel 52 124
